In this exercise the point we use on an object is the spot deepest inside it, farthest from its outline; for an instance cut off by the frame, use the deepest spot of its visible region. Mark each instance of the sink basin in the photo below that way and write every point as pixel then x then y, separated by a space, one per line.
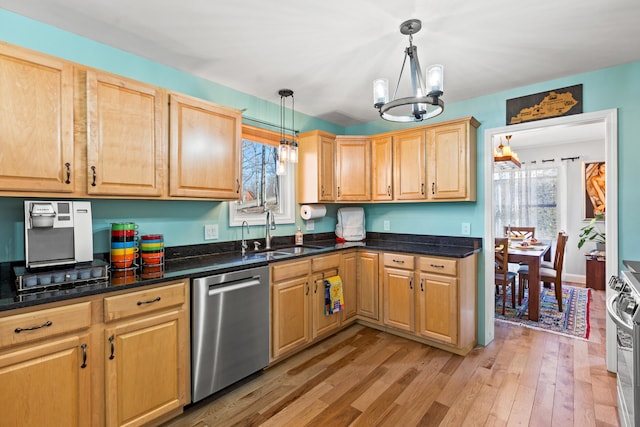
pixel 282 252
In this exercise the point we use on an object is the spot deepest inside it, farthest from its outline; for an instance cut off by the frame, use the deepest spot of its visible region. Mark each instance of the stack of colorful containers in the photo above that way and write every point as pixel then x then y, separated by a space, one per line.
pixel 124 244
pixel 152 249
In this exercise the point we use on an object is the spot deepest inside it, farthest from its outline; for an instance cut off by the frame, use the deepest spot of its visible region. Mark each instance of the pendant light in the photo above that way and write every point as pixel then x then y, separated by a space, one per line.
pixel 504 157
pixel 424 102
pixel 288 148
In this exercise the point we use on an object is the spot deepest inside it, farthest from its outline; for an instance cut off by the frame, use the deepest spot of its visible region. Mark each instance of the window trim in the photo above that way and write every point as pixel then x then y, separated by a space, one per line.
pixel 286 215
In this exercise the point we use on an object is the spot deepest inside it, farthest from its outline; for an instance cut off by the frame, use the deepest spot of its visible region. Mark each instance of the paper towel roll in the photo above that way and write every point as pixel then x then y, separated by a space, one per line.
pixel 312 211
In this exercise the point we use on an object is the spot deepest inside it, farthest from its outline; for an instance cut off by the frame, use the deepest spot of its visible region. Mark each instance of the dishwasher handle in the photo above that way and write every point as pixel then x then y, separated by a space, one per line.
pixel 221 288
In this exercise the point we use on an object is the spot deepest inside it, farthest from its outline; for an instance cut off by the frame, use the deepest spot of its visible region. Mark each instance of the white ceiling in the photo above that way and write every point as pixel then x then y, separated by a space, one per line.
pixel 329 52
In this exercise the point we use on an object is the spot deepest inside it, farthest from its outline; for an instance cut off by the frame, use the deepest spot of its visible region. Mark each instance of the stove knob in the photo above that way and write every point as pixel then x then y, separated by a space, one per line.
pixel 631 307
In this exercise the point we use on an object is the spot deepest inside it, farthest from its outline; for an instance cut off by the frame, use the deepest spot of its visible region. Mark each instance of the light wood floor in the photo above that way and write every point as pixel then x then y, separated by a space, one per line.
pixel 364 377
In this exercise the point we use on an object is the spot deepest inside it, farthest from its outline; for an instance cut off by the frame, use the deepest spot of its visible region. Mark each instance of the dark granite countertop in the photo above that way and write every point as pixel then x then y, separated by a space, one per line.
pixel 204 260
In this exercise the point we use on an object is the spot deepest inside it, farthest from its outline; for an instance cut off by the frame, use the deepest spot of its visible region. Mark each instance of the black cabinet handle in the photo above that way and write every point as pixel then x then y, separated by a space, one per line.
pixel 433 188
pixel 437 265
pixel 149 302
pixel 113 347
pixel 399 261
pixel 84 356
pixel 411 282
pixel 237 186
pixel 33 328
pixel 388 190
pixel 422 188
pixel 307 291
pixel 93 170
pixel 68 166
pixel 422 285
pixel 338 191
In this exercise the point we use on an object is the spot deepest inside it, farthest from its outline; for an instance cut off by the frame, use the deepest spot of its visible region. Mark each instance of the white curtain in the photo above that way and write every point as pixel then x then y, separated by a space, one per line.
pixel 529 197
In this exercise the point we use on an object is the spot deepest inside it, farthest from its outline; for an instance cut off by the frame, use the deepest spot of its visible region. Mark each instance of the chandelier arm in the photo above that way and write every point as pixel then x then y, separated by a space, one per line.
pixel 395 92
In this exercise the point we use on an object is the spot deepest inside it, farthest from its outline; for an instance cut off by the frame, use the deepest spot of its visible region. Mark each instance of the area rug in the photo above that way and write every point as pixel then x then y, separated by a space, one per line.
pixel 572 322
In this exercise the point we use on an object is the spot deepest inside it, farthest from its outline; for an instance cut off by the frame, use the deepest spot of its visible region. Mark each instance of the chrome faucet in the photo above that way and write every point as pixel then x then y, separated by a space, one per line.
pixel 244 243
pixel 270 224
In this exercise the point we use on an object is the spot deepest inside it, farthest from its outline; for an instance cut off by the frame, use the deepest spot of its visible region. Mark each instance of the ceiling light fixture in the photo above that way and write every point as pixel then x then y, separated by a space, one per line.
pixel 288 148
pixel 425 101
pixel 504 157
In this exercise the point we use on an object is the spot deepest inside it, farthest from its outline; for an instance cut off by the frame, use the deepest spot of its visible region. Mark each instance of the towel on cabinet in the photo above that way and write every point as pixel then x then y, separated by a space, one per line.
pixel 333 296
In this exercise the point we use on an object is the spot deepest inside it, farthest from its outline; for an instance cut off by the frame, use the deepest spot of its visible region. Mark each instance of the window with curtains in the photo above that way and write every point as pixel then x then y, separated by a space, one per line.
pixel 528 197
pixel 261 188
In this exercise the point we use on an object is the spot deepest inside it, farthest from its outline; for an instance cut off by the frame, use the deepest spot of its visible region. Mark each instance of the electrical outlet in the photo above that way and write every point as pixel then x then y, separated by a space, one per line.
pixel 210 231
pixel 310 225
pixel 386 225
pixel 466 228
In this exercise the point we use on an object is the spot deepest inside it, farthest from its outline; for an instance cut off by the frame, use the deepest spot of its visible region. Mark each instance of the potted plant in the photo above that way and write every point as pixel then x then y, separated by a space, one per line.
pixel 592 233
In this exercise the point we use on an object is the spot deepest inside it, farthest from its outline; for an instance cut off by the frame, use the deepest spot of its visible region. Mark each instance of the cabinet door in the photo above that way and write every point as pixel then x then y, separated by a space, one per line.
pixel 205 142
pixel 322 323
pixel 368 285
pixel 326 170
pixel 449 166
pixel 409 166
pixel 382 168
pixel 47 384
pixel 353 168
pixel 438 318
pixel 349 275
pixel 399 310
pixel 290 315
pixel 36 122
pixel 145 368
pixel 125 143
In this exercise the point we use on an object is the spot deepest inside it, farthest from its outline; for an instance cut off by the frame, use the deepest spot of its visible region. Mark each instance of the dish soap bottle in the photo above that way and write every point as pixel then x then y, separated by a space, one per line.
pixel 299 237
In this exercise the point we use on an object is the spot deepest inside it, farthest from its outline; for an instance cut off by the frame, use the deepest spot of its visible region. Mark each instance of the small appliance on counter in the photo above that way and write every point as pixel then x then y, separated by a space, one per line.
pixel 350 225
pixel 57 233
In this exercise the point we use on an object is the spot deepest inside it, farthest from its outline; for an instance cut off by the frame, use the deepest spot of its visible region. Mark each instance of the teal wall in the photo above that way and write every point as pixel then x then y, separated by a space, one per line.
pixel 182 221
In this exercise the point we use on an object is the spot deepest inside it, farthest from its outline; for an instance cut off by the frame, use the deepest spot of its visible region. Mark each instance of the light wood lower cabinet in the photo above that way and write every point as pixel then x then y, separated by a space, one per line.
pixel 367 284
pixel 397 284
pixel 45 371
pixel 119 360
pixel 298 301
pixel 440 306
pixel 349 275
pixel 146 354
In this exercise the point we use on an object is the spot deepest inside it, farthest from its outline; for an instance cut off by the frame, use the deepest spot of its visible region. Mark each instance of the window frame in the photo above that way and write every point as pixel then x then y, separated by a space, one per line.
pixel 286 213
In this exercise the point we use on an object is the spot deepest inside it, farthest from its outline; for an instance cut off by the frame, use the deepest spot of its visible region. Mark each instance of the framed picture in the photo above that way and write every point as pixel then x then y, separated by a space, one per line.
pixel 595 189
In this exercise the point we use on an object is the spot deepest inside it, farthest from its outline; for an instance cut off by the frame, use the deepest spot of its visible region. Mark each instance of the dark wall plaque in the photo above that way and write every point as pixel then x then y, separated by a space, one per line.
pixel 544 105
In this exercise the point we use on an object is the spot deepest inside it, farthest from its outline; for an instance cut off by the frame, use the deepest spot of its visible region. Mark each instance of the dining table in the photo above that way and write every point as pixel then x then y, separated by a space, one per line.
pixel 532 255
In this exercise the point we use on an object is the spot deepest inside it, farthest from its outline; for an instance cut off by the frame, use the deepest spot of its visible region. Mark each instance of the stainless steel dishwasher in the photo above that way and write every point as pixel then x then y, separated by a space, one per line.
pixel 229 330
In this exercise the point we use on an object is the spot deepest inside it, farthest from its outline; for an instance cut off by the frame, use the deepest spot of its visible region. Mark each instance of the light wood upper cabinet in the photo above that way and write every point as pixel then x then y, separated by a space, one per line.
pixel 382 168
pixel 316 168
pixel 205 149
pixel 36 122
pixel 353 168
pixel 125 140
pixel 409 165
pixel 451 158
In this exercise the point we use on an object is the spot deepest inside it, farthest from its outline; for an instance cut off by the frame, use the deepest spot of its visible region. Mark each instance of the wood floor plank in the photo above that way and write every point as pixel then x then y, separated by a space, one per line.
pixel 365 377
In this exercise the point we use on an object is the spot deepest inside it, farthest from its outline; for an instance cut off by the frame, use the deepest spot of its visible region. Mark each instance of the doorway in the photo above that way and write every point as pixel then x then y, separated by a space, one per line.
pixel 608 118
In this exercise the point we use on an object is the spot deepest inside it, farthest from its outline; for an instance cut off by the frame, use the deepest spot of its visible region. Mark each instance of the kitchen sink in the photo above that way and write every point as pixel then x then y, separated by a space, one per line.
pixel 270 254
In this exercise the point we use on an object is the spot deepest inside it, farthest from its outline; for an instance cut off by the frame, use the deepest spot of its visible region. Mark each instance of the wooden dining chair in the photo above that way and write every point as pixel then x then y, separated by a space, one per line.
pixel 504 277
pixel 519 232
pixel 548 274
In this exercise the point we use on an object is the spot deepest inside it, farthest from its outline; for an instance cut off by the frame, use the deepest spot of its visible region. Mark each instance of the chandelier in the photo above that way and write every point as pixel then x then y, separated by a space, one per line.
pixel 424 102
pixel 288 148
pixel 504 157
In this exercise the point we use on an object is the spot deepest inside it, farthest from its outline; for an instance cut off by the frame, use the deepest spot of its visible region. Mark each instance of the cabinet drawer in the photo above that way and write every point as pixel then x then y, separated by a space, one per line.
pixel 446 266
pixel 398 261
pixel 136 303
pixel 23 328
pixel 321 263
pixel 289 270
